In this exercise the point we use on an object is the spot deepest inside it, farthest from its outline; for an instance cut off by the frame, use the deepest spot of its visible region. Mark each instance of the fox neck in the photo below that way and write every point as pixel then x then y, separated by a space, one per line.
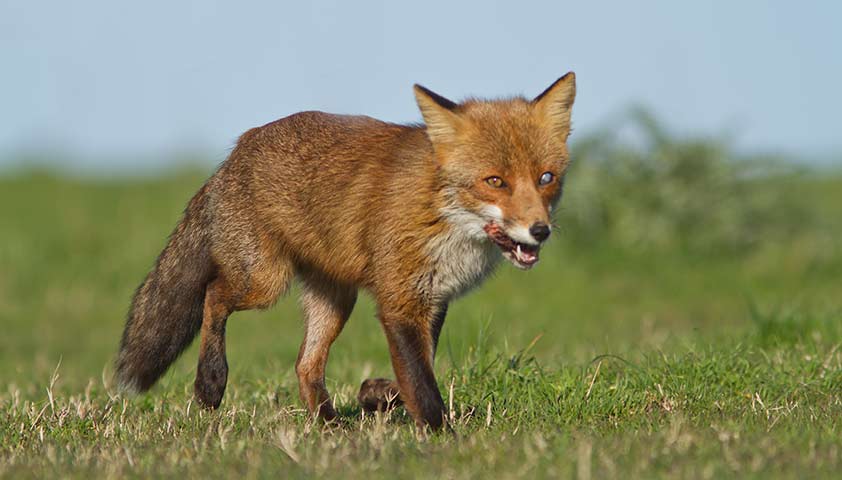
pixel 461 256
pixel 457 253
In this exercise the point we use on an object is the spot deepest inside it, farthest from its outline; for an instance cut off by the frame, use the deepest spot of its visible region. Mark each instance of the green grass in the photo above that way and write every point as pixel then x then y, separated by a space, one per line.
pixel 622 354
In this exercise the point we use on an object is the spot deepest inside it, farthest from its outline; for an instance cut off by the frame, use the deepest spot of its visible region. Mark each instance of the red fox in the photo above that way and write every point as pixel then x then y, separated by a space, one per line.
pixel 415 214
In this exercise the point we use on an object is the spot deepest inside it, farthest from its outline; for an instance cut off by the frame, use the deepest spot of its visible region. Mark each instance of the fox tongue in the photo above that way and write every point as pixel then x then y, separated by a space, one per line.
pixel 526 256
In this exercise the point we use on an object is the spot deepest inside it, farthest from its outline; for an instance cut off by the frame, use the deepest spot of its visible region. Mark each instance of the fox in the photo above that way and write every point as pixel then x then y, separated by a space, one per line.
pixel 415 214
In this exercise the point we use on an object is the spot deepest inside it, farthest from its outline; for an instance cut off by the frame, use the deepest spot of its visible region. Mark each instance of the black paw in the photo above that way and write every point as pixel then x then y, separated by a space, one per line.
pixel 210 384
pixel 379 395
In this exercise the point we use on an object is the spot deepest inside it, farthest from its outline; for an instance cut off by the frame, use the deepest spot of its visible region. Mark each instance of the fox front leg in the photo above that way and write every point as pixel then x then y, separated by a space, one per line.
pixel 412 332
pixel 379 395
pixel 383 394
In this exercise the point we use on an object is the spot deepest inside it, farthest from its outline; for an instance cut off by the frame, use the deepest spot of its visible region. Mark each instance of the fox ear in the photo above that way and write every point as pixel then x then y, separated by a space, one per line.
pixel 556 102
pixel 439 114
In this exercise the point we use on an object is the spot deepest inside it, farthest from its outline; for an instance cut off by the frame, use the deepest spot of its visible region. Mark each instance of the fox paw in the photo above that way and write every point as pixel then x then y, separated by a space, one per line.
pixel 209 387
pixel 379 395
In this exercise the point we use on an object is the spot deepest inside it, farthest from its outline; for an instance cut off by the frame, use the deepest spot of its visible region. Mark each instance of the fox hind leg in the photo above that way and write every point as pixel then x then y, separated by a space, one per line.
pixel 327 306
pixel 233 289
pixel 212 372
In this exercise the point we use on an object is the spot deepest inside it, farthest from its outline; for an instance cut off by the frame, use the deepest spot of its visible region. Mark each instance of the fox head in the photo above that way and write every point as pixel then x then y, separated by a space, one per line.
pixel 502 164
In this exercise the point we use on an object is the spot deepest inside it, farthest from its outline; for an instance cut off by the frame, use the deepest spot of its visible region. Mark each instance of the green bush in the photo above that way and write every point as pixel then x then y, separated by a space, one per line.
pixel 657 190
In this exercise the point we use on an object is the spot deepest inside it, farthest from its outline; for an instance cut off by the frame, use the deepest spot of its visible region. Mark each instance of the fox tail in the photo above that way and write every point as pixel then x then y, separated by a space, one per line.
pixel 166 312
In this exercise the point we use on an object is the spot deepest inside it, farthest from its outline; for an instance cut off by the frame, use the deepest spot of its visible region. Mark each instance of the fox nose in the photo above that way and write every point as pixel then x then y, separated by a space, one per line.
pixel 540 231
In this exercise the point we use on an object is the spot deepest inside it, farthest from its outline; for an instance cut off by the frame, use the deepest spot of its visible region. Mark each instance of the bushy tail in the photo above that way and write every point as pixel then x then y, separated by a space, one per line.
pixel 166 312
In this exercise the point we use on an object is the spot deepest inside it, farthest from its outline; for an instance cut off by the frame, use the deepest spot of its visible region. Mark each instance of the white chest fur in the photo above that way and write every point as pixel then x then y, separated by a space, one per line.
pixel 460 260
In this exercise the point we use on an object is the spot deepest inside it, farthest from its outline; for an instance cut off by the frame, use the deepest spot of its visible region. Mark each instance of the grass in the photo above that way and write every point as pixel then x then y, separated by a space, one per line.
pixel 702 350
pixel 709 413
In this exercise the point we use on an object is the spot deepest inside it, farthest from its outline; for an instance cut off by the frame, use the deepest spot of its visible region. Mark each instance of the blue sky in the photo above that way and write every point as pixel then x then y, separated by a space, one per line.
pixel 121 83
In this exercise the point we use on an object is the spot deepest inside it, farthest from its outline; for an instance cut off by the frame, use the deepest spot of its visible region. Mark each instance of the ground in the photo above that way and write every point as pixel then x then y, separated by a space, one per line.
pixel 609 359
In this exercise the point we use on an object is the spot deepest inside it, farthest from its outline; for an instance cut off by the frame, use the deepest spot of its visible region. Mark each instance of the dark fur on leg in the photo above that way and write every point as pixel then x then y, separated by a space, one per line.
pixel 211 378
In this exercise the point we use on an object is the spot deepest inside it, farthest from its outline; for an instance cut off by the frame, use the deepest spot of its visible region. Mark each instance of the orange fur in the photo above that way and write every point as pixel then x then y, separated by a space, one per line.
pixel 348 202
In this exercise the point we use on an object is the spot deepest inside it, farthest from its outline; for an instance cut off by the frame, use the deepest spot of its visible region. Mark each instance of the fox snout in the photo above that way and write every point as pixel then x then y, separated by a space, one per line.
pixel 519 244
pixel 533 234
pixel 540 231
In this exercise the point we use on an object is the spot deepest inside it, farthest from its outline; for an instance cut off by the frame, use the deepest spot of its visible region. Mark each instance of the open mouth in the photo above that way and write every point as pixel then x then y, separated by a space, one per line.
pixel 522 255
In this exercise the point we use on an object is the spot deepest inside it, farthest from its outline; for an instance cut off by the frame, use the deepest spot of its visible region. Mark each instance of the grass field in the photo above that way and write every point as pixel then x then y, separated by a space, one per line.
pixel 686 321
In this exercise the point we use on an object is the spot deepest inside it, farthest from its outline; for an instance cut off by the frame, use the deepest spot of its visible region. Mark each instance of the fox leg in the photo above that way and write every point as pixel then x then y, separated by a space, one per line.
pixel 235 288
pixel 382 394
pixel 412 332
pixel 327 306
pixel 212 373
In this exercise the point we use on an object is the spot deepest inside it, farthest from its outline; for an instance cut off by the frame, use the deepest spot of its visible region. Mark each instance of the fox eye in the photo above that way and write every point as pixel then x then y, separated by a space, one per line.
pixel 546 178
pixel 495 182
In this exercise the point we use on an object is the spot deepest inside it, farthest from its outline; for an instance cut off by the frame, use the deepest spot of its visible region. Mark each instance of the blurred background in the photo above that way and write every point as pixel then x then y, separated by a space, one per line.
pixel 100 84
pixel 705 195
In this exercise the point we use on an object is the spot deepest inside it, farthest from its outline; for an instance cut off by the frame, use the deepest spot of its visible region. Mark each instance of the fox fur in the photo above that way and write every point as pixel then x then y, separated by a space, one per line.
pixel 415 214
